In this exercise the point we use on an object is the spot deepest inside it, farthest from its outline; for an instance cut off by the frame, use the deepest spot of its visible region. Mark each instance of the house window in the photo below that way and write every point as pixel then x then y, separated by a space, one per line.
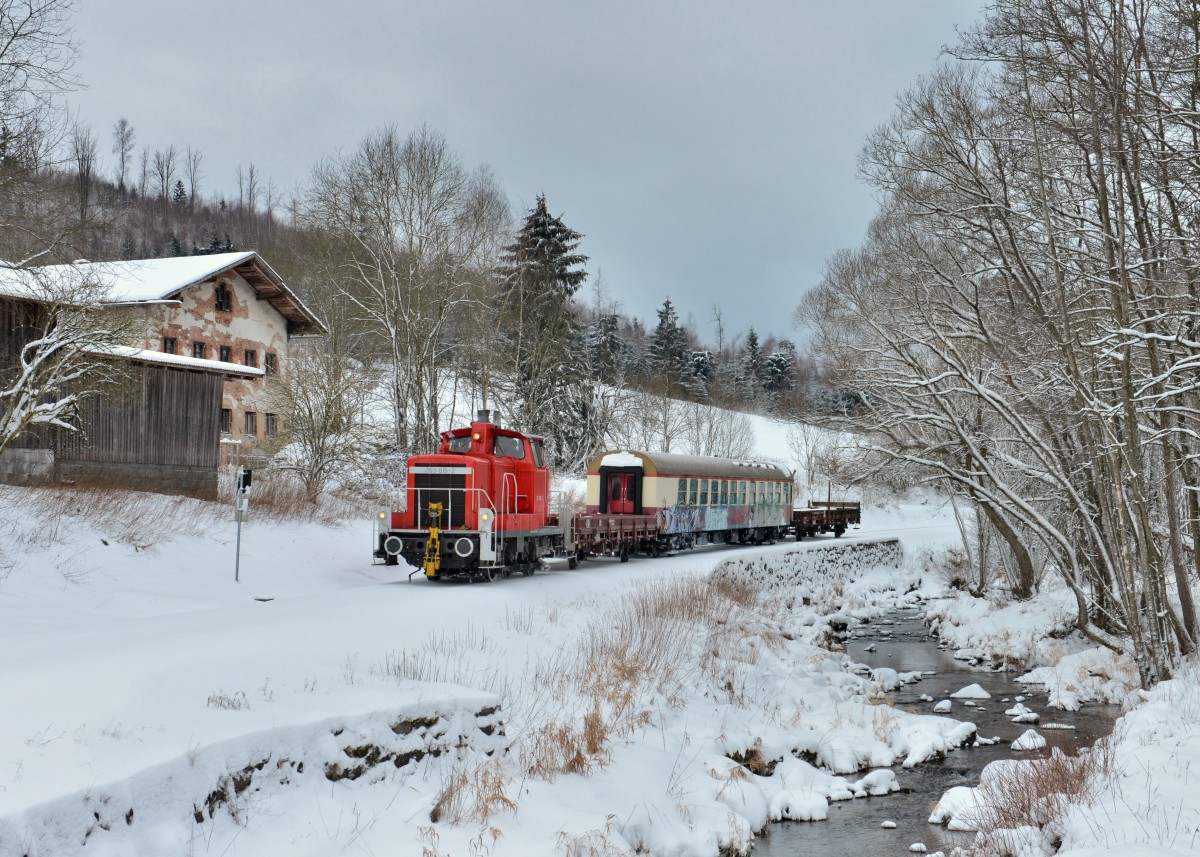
pixel 272 425
pixel 199 350
pixel 251 357
pixel 224 297
pixel 251 424
pixel 269 364
pixel 168 345
pixel 226 420
pixel 226 354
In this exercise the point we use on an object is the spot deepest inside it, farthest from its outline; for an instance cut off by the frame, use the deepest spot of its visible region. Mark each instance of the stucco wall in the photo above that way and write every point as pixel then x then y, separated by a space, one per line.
pixel 252 324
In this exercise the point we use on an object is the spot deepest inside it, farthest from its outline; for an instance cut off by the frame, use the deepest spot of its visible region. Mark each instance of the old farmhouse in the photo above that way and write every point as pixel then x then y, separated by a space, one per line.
pixel 212 334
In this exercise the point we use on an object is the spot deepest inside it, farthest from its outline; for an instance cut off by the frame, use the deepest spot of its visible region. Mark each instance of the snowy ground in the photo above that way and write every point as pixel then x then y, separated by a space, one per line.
pixel 324 704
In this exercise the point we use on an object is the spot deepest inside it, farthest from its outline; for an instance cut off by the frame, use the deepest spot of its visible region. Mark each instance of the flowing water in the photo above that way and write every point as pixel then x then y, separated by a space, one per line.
pixel 853 828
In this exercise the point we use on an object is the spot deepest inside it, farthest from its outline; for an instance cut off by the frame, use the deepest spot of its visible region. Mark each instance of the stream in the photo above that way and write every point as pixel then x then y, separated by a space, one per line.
pixel 854 826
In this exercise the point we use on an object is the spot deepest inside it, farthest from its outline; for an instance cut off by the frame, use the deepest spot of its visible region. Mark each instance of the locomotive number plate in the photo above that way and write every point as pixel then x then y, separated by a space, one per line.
pixel 439 471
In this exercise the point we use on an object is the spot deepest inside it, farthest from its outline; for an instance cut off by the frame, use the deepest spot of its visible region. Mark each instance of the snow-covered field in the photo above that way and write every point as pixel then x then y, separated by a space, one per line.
pixel 153 706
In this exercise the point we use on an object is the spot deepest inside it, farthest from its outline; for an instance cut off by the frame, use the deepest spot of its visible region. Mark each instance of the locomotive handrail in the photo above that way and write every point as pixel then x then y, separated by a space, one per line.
pixel 508 497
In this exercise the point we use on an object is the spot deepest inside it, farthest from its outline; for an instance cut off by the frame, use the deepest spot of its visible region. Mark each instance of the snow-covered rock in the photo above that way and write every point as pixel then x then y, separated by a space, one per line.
pixel 1031 740
pixel 944 706
pixel 971 691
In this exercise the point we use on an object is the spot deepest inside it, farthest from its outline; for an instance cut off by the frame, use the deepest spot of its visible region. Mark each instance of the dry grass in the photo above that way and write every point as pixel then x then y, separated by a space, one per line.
pixel 1038 792
pixel 278 496
pixel 563 712
pixel 475 793
pixel 142 519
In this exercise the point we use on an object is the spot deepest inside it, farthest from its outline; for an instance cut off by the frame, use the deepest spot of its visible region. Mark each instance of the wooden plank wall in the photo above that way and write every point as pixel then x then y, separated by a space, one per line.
pixel 20 322
pixel 156 415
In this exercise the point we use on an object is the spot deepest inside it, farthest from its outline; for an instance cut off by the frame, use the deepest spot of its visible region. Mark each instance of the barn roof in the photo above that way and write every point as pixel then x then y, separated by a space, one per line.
pixel 180 361
pixel 672 464
pixel 152 280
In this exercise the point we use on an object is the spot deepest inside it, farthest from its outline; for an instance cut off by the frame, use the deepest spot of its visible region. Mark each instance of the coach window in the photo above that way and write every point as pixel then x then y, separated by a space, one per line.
pixel 741 493
pixel 713 493
pixel 681 496
pixel 724 493
pixel 703 492
pixel 693 493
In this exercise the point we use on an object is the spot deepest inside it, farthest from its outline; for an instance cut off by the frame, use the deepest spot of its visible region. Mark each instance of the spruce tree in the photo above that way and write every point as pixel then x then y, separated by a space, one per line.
pixel 750 370
pixel 669 352
pixel 539 273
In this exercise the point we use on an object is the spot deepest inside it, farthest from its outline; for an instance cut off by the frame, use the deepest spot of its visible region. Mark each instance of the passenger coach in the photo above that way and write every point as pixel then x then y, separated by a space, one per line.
pixel 693 498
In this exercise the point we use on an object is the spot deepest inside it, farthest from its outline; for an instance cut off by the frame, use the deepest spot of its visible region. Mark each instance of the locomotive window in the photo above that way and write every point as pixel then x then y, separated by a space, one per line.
pixel 538 458
pixel 512 446
pixel 460 444
pixel 703 492
pixel 681 498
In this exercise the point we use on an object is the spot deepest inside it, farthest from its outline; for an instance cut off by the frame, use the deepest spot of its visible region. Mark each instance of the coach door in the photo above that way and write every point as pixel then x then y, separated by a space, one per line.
pixel 620 493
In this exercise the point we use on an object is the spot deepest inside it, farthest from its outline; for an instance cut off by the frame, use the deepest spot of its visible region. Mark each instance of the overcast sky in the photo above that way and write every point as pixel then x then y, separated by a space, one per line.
pixel 706 150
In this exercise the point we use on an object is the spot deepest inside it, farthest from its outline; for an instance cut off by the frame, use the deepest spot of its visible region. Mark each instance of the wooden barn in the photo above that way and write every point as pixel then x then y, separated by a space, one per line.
pixel 155 425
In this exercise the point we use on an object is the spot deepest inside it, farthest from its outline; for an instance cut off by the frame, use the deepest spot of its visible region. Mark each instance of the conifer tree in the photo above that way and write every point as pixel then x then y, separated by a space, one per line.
pixel 750 369
pixel 539 274
pixel 669 352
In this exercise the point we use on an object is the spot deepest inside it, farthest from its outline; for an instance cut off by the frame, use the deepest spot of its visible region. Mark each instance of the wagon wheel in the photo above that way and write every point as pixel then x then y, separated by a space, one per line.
pixel 489 573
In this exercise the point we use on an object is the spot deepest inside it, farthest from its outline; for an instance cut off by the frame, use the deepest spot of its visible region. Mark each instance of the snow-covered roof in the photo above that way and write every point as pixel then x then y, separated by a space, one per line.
pixel 150 280
pixel 178 360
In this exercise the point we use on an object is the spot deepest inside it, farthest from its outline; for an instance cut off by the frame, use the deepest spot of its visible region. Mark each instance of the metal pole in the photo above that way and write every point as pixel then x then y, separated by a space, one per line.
pixel 237 557
pixel 237 514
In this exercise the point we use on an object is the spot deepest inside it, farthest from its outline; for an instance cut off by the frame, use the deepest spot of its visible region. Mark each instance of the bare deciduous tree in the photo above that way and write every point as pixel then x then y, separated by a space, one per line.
pixel 1021 321
pixel 162 169
pixel 62 356
pixel 123 139
pixel 412 231
pixel 321 397
pixel 191 167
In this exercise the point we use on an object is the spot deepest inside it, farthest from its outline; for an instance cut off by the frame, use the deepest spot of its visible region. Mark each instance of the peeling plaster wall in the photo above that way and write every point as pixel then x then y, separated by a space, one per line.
pixel 252 324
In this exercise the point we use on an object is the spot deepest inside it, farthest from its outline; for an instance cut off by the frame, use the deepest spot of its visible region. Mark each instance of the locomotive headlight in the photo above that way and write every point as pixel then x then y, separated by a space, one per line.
pixel 485 517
